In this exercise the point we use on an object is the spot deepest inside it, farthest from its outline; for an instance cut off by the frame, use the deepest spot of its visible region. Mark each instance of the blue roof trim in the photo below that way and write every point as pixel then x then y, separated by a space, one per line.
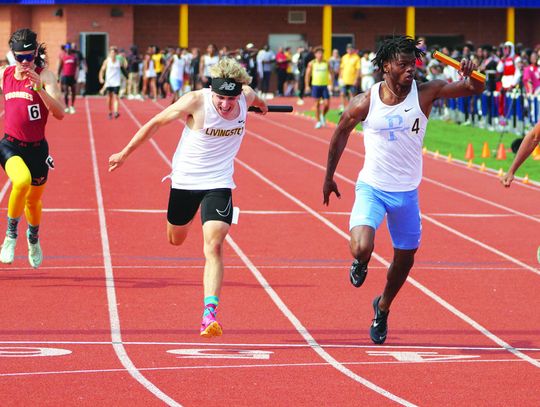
pixel 357 3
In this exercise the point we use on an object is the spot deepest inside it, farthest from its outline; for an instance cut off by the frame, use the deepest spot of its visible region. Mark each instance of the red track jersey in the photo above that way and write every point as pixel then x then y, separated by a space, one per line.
pixel 26 114
pixel 69 64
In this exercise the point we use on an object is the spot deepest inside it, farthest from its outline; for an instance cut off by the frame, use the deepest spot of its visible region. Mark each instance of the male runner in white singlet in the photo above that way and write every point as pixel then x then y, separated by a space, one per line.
pixel 202 173
pixel 394 113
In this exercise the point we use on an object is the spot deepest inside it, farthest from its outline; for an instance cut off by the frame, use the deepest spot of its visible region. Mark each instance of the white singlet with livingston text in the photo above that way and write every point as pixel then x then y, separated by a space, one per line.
pixel 204 159
pixel 393 137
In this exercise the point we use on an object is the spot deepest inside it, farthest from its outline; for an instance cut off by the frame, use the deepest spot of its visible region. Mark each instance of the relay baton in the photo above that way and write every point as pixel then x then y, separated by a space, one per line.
pixel 445 59
pixel 273 108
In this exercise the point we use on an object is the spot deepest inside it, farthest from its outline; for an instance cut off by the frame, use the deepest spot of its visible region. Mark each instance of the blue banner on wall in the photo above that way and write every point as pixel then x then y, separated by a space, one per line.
pixel 356 3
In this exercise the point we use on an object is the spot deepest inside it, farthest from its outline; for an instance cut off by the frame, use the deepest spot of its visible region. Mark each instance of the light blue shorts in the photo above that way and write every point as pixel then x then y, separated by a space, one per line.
pixel 401 208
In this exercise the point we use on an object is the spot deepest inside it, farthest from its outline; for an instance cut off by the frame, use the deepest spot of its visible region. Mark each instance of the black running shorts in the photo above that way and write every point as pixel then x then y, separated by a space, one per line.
pixel 67 80
pixel 216 204
pixel 35 156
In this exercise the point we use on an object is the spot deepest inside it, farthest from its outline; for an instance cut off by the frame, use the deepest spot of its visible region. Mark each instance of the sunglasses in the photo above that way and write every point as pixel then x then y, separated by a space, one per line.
pixel 24 57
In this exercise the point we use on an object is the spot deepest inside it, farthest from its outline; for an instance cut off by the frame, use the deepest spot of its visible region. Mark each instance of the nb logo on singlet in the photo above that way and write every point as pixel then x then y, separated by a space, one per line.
pixel 227 86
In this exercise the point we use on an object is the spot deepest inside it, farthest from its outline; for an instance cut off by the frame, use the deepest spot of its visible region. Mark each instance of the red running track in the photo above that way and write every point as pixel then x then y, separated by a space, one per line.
pixel 111 318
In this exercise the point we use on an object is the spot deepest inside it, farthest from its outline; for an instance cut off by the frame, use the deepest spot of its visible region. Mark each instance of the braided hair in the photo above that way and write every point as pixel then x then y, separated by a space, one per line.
pixel 392 47
pixel 27 35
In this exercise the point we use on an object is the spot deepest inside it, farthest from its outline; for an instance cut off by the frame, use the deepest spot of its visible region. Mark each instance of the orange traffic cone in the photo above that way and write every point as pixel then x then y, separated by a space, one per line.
pixel 526 179
pixel 501 152
pixel 500 173
pixel 536 153
pixel 436 155
pixel 469 153
pixel 469 164
pixel 483 167
pixel 449 159
pixel 485 150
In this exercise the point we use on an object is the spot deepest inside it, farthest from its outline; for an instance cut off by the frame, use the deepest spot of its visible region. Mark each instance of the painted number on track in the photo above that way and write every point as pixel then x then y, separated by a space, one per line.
pixel 420 356
pixel 26 352
pixel 220 354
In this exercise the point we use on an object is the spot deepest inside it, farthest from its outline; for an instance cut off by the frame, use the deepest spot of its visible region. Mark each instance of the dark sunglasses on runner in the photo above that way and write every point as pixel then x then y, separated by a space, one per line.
pixel 24 57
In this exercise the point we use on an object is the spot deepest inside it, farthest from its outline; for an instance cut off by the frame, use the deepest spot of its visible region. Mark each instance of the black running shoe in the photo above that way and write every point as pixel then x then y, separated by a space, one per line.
pixel 358 273
pixel 379 326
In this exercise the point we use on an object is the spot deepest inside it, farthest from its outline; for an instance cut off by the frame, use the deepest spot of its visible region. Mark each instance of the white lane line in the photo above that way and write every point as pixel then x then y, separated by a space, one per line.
pixel 489 171
pixel 273 345
pixel 474 215
pixel 4 190
pixel 424 178
pixel 297 324
pixel 448 228
pixel 266 212
pixel 417 284
pixel 288 266
pixel 305 333
pixel 481 244
pixel 255 366
pixel 485 201
pixel 116 334
pixel 462 164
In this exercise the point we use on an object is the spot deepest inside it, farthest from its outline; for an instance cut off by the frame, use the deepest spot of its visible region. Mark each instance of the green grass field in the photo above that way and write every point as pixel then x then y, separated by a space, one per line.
pixel 450 138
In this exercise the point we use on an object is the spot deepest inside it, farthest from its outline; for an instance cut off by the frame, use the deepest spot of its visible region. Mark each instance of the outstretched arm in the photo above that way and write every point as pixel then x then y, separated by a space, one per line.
pixel 527 146
pixel 468 87
pixel 186 104
pixel 252 99
pixel 355 112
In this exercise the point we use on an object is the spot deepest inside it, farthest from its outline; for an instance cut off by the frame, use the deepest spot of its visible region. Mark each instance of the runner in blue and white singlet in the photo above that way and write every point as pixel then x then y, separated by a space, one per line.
pixel 394 114
pixel 393 137
pixel 203 167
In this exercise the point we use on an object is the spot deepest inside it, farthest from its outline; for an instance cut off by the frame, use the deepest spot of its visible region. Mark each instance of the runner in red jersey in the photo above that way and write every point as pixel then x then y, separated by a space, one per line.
pixel 30 92
pixel 67 71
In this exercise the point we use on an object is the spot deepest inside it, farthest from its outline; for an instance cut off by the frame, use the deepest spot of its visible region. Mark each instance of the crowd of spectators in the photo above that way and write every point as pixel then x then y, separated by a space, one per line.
pixel 173 71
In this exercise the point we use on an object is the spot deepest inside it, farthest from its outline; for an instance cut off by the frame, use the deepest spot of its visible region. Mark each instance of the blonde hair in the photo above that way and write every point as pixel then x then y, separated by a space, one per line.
pixel 230 69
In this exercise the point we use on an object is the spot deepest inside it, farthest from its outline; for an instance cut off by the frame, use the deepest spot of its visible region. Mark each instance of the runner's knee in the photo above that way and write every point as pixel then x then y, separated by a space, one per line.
pixel 362 246
pixel 19 174
pixel 175 239
pixel 361 252
pixel 214 248
pixel 176 236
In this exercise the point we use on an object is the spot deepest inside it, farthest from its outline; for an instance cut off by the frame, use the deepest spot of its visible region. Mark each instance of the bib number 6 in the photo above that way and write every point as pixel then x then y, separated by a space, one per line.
pixel 33 112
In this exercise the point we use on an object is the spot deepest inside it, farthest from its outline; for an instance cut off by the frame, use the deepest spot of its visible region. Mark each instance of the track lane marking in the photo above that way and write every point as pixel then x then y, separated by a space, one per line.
pixel 428 218
pixel 285 310
pixel 259 365
pixel 383 261
pixel 305 333
pixel 425 178
pixel 271 345
pixel 489 172
pixel 114 318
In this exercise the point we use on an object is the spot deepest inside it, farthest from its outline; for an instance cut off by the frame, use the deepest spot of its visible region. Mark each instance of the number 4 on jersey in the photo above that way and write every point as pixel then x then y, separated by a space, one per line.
pixel 416 126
